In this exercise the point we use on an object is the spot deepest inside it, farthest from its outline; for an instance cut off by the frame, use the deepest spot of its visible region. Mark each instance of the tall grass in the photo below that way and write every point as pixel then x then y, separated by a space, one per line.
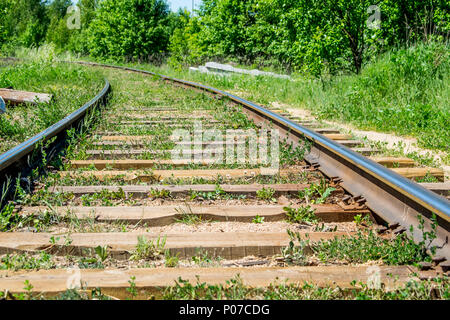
pixel 70 85
pixel 405 91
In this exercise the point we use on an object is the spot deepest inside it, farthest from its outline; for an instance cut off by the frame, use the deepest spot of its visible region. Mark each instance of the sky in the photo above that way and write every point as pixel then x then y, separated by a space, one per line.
pixel 176 4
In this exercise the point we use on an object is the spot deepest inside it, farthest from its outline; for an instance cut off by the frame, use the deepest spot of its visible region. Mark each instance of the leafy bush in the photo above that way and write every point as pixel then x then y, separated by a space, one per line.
pixel 398 92
pixel 129 29
pixel 316 37
pixel 23 22
pixel 185 42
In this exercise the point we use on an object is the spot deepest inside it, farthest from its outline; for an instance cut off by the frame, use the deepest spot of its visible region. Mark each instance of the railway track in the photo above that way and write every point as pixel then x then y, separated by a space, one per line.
pixel 126 214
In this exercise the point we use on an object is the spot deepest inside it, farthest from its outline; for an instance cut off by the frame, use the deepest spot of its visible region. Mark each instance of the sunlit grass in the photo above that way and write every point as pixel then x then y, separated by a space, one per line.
pixel 405 91
pixel 71 87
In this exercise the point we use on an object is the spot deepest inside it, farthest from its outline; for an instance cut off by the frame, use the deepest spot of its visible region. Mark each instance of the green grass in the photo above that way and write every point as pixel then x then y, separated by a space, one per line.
pixel 70 85
pixel 316 193
pixel 188 217
pixel 27 261
pixel 301 177
pixel 217 194
pixel 148 249
pixel 234 289
pixel 369 247
pixel 266 194
pixel 69 294
pixel 361 248
pixel 302 214
pixel 404 91
pixel 364 246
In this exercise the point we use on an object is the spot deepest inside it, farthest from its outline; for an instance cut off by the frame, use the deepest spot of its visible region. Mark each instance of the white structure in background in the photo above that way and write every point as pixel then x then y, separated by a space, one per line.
pixel 224 69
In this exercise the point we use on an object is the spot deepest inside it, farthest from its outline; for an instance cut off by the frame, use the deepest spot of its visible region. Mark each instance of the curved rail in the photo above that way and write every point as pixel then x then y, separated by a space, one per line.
pixel 430 200
pixel 397 200
pixel 18 153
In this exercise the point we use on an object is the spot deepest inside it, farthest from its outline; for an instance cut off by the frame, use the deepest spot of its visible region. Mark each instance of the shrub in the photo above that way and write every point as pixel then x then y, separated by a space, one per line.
pixel 134 29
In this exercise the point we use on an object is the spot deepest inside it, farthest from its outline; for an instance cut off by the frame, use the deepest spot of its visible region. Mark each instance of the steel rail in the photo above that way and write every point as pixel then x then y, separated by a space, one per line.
pixel 395 199
pixel 18 153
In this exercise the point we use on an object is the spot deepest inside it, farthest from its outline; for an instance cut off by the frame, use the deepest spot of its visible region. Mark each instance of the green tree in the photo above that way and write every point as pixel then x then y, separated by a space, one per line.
pixel 406 21
pixel 57 32
pixel 78 41
pixel 130 29
pixel 87 8
pixel 348 19
pixel 313 36
pixel 6 20
pixel 58 8
pixel 23 22
pixel 185 45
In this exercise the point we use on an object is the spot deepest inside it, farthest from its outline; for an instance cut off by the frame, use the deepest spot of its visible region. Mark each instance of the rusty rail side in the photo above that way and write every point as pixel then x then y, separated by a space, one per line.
pixel 18 159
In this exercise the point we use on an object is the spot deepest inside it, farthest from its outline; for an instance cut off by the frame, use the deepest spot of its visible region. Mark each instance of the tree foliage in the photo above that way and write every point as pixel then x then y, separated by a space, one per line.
pixel 23 22
pixel 317 37
pixel 313 36
pixel 129 29
pixel 58 33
